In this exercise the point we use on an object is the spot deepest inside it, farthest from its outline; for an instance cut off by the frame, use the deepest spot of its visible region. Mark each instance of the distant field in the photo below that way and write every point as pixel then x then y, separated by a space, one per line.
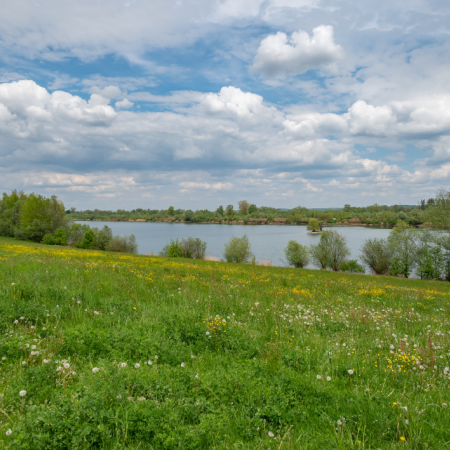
pixel 119 351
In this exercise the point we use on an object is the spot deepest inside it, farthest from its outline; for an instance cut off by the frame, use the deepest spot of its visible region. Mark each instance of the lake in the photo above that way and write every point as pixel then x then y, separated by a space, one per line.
pixel 267 241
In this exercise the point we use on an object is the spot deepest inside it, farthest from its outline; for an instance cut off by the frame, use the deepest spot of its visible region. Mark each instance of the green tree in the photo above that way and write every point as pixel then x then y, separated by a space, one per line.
pixel 336 248
pixel 171 211
pixel 313 225
pixel 238 250
pixel 377 253
pixel 189 215
pixel 297 255
pixel 41 215
pixel 219 210
pixel 252 209
pixel 403 242
pixel 244 206
pixel 229 210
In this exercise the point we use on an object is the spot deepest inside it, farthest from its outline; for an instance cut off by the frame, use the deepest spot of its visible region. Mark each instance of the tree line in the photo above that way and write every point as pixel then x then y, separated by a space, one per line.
pixel 246 213
pixel 39 219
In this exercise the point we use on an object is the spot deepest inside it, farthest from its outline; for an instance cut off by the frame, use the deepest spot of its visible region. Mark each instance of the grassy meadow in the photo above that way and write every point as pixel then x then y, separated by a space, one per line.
pixel 116 351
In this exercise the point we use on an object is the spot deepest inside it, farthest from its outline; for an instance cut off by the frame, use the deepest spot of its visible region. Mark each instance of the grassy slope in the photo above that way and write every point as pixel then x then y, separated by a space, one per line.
pixel 253 374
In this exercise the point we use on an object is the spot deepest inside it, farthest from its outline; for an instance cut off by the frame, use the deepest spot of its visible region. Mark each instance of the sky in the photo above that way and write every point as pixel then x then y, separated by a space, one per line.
pixel 114 104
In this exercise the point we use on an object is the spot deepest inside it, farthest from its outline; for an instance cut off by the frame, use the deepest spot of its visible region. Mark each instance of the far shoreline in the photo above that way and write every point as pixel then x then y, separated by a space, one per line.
pixel 240 222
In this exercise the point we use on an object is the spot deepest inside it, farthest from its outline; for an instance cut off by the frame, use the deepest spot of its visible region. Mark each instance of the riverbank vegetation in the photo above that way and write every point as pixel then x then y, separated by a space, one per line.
pixel 104 350
pixel 374 215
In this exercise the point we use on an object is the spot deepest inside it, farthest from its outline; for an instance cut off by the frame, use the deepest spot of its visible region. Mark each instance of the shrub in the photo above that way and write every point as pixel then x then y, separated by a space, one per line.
pixel 37 230
pixel 48 239
pixel 238 250
pixel 88 240
pixel 76 232
pixel 297 255
pixel 126 244
pixel 319 255
pixel 376 253
pixel 431 262
pixel 103 237
pixel 352 266
pixel 172 250
pixel 59 237
pixel 193 248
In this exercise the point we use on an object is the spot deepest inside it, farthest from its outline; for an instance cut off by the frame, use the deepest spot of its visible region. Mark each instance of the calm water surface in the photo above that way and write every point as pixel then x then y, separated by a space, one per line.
pixel 267 241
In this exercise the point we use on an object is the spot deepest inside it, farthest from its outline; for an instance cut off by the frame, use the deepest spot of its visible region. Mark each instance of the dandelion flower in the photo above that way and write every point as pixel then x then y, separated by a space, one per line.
pixel 328 378
pixel 95 369
pixel 339 422
pixel 182 364
pixel 156 356
pixel 149 363
pixel 33 347
pixel 207 333
pixel 74 373
pixel 23 393
pixel 9 432
pixel 319 377
pixel 23 363
pixel 350 372
pixel 66 365
pixel 137 365
pixel 402 438
pixel 271 434
pixel 4 357
pixel 124 364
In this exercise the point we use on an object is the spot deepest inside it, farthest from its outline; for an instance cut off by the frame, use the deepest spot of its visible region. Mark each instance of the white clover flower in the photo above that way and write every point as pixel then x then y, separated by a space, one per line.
pixel 137 365
pixel 96 313
pixel 58 369
pixel 23 393
pixel 21 318
pixel 149 363
pixel 4 357
pixel 350 372
pixel 119 397
pixel 339 422
pixel 95 369
pixel 23 363
pixel 73 372
pixel 156 356
pixel 66 365
pixel 124 364
pixel 271 434
pixel 328 378
pixel 46 361
pixel 33 347
pixel 12 284
pixel 196 376
pixel 9 432
pixel 207 333
pixel 319 377
pixel 192 356
pixel 43 328
pixel 16 321
pixel 182 365
pixel 391 347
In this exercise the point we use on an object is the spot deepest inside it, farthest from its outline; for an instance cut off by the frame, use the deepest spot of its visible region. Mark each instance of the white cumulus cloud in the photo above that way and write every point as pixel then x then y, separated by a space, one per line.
pixel 279 56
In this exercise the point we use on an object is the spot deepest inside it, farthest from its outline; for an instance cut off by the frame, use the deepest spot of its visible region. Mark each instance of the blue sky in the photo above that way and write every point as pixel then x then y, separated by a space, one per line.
pixel 125 104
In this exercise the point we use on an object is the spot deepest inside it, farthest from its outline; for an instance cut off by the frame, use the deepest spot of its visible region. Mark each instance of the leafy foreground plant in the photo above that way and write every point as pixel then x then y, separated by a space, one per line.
pixel 115 351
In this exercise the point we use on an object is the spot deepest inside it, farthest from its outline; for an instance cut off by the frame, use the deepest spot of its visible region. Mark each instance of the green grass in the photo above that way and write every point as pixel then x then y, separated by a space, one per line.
pixel 251 383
